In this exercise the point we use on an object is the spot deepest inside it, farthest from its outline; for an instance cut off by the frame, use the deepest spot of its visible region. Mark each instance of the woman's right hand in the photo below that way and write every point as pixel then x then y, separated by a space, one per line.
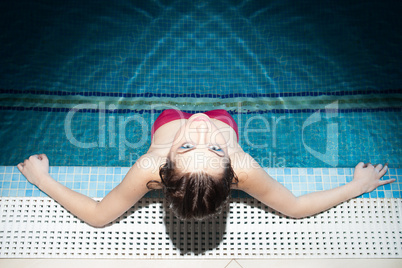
pixel 368 177
pixel 35 168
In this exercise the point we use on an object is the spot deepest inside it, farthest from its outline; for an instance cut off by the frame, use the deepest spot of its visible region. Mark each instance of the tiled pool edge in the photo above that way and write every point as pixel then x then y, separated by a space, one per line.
pixel 96 182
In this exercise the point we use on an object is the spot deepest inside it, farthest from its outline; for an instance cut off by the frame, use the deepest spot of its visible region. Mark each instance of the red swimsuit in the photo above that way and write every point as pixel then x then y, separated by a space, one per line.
pixel 172 114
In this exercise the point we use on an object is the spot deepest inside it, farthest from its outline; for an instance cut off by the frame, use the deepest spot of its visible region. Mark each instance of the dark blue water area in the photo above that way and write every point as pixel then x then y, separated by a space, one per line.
pixel 200 46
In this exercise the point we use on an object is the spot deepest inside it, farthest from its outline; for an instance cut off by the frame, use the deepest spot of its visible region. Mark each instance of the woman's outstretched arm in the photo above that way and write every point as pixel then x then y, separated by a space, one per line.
pixel 263 187
pixel 98 214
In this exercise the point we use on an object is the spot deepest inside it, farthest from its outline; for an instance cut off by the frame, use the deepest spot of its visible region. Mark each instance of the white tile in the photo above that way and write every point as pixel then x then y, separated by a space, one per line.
pixel 261 263
pixel 233 264
pixel 319 263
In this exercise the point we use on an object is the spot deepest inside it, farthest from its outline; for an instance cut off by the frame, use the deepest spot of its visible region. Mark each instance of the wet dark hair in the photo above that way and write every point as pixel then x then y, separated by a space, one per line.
pixel 196 195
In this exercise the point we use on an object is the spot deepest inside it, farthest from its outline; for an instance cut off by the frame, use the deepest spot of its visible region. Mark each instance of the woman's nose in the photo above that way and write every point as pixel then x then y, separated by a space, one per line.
pixel 202 128
pixel 202 131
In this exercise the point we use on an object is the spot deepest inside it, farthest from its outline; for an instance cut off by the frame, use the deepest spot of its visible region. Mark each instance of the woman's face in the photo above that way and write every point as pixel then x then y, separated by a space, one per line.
pixel 199 146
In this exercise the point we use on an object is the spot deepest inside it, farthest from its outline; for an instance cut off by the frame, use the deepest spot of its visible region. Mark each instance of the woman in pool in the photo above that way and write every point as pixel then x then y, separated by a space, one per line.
pixel 196 159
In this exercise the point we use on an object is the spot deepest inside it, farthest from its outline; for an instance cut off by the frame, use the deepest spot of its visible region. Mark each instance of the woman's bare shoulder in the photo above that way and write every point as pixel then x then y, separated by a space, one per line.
pixel 243 161
pixel 148 166
pixel 244 165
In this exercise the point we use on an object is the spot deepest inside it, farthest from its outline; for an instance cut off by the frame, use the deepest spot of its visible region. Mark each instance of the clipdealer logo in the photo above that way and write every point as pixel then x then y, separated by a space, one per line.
pixel 123 121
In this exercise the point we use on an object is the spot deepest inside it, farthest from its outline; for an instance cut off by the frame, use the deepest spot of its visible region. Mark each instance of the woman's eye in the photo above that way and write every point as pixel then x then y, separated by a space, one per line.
pixel 215 148
pixel 187 146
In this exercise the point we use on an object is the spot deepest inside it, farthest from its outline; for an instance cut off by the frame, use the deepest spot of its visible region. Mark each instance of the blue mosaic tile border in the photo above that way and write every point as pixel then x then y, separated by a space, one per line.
pixel 197 95
pixel 124 111
pixel 99 181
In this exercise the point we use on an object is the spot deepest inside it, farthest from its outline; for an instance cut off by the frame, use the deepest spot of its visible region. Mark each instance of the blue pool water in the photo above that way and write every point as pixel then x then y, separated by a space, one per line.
pixel 311 84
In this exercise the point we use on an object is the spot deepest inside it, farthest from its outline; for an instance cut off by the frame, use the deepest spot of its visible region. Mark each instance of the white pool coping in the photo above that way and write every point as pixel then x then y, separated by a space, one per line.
pixel 224 263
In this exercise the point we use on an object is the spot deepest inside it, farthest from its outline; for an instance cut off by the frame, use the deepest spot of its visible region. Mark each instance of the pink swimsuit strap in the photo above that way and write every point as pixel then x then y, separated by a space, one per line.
pixel 172 114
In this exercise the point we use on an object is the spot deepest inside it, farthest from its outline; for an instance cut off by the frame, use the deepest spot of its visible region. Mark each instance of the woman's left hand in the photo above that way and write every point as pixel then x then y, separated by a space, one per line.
pixel 35 168
pixel 368 176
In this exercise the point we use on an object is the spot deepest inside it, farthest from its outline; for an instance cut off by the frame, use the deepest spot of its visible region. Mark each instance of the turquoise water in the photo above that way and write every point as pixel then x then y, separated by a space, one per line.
pixel 314 84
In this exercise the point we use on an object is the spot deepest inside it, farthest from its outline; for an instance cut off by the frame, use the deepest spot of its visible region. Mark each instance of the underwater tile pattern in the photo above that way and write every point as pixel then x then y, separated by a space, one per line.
pixel 200 46
pixel 99 181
